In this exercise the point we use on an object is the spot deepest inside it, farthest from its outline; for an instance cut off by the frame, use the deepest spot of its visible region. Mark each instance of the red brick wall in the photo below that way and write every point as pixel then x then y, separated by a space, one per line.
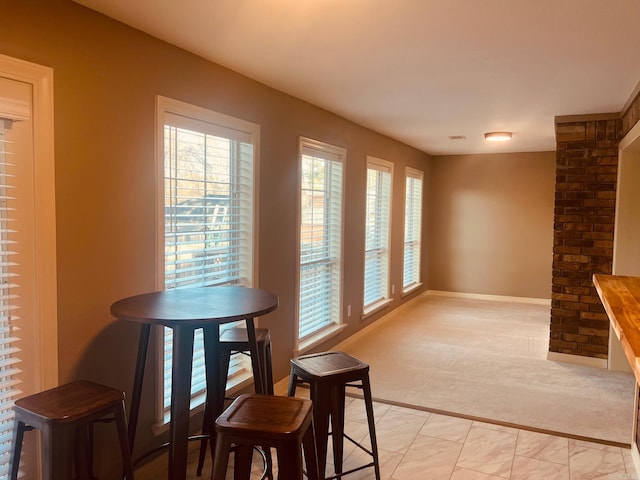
pixel 586 175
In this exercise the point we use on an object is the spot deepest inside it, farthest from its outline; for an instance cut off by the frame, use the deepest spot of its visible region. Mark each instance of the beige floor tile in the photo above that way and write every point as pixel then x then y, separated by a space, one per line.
pixel 540 446
pixel 578 444
pixel 596 463
pixel 396 431
pixel 495 426
pixel 629 466
pixel 464 474
pixel 389 461
pixel 357 431
pixel 532 469
pixel 446 428
pixel 488 451
pixel 356 411
pixel 412 411
pixel 430 458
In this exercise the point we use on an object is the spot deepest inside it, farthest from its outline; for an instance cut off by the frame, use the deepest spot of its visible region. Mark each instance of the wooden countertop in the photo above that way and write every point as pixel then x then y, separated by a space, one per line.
pixel 620 296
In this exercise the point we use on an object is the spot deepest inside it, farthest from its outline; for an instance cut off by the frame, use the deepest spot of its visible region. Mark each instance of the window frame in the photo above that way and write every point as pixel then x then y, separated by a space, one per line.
pixel 195 116
pixel 335 326
pixel 39 334
pixel 412 175
pixel 382 167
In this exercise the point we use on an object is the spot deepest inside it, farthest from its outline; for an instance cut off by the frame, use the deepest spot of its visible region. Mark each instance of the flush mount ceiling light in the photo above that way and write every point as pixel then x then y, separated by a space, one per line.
pixel 497 136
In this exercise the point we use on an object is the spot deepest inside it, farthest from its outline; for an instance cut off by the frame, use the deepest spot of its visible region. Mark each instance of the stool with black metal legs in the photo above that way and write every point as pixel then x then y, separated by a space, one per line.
pixel 328 374
pixel 65 416
pixel 282 423
pixel 235 341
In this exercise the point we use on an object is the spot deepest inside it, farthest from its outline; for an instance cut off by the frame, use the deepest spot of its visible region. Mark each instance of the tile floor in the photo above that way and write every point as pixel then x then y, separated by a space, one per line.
pixel 418 445
pixel 415 445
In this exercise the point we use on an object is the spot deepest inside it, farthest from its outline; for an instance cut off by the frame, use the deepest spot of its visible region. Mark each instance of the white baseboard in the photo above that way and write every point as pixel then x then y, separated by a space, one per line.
pixel 282 387
pixel 493 298
pixel 635 456
pixel 577 359
pixel 378 323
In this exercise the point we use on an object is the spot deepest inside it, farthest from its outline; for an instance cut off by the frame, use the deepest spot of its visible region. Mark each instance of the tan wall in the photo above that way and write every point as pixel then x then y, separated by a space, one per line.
pixel 106 77
pixel 491 224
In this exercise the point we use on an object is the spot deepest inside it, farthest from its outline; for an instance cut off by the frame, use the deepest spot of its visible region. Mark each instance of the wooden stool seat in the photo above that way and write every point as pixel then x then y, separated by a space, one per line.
pixel 328 374
pixel 65 415
pixel 233 341
pixel 236 340
pixel 283 423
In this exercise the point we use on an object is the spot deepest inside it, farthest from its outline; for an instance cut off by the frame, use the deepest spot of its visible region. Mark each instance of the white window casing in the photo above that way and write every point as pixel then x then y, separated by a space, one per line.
pixel 206 218
pixel 321 206
pixel 377 234
pixel 412 229
pixel 28 288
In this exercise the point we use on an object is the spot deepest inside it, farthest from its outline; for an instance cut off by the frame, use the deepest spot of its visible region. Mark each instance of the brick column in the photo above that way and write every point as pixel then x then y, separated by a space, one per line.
pixel 586 176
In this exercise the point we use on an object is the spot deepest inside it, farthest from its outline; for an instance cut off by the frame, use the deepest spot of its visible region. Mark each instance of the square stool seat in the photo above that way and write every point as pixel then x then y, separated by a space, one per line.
pixel 328 375
pixel 283 423
pixel 65 415
pixel 334 367
pixel 236 341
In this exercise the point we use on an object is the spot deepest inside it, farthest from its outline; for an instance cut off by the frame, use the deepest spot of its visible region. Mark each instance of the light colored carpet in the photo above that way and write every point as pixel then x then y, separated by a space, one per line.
pixel 487 359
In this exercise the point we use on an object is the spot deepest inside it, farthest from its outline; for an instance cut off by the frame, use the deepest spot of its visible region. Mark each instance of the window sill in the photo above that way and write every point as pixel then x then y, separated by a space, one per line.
pixel 375 308
pixel 319 337
pixel 411 289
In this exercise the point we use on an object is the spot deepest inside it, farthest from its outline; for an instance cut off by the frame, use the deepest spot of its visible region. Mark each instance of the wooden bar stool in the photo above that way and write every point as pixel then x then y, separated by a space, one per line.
pixel 65 415
pixel 283 423
pixel 328 374
pixel 236 341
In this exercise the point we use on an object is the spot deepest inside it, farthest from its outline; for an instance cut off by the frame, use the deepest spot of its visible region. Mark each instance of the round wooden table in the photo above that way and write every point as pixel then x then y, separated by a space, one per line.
pixel 184 310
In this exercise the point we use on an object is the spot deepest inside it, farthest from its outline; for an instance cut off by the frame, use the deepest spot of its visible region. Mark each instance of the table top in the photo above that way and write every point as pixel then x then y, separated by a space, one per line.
pixel 195 305
pixel 620 296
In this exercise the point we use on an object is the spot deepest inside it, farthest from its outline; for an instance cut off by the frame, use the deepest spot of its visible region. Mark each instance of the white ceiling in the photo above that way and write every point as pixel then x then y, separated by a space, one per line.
pixel 419 71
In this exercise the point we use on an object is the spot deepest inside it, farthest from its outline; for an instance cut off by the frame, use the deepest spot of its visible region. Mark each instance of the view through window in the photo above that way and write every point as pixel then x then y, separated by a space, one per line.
pixel 208 164
pixel 320 274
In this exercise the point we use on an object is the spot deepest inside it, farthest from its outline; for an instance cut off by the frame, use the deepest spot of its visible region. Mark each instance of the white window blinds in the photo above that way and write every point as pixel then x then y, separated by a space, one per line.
pixel 319 297
pixel 412 229
pixel 377 225
pixel 27 246
pixel 9 286
pixel 208 215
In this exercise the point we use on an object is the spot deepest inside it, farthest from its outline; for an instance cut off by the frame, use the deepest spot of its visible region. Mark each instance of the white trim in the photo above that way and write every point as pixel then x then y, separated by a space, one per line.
pixel 492 298
pixel 577 360
pixel 626 258
pixel 389 316
pixel 41 80
pixel 631 136
pixel 416 175
pixel 385 167
pixel 179 108
pixel 376 324
pixel 411 290
pixel 375 308
pixel 635 456
pixel 175 112
pixel 630 100
pixel 331 330
pixel 318 338
pixel 14 109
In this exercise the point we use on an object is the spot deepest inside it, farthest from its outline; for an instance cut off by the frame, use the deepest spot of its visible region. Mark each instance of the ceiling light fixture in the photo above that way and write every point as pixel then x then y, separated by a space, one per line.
pixel 497 136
